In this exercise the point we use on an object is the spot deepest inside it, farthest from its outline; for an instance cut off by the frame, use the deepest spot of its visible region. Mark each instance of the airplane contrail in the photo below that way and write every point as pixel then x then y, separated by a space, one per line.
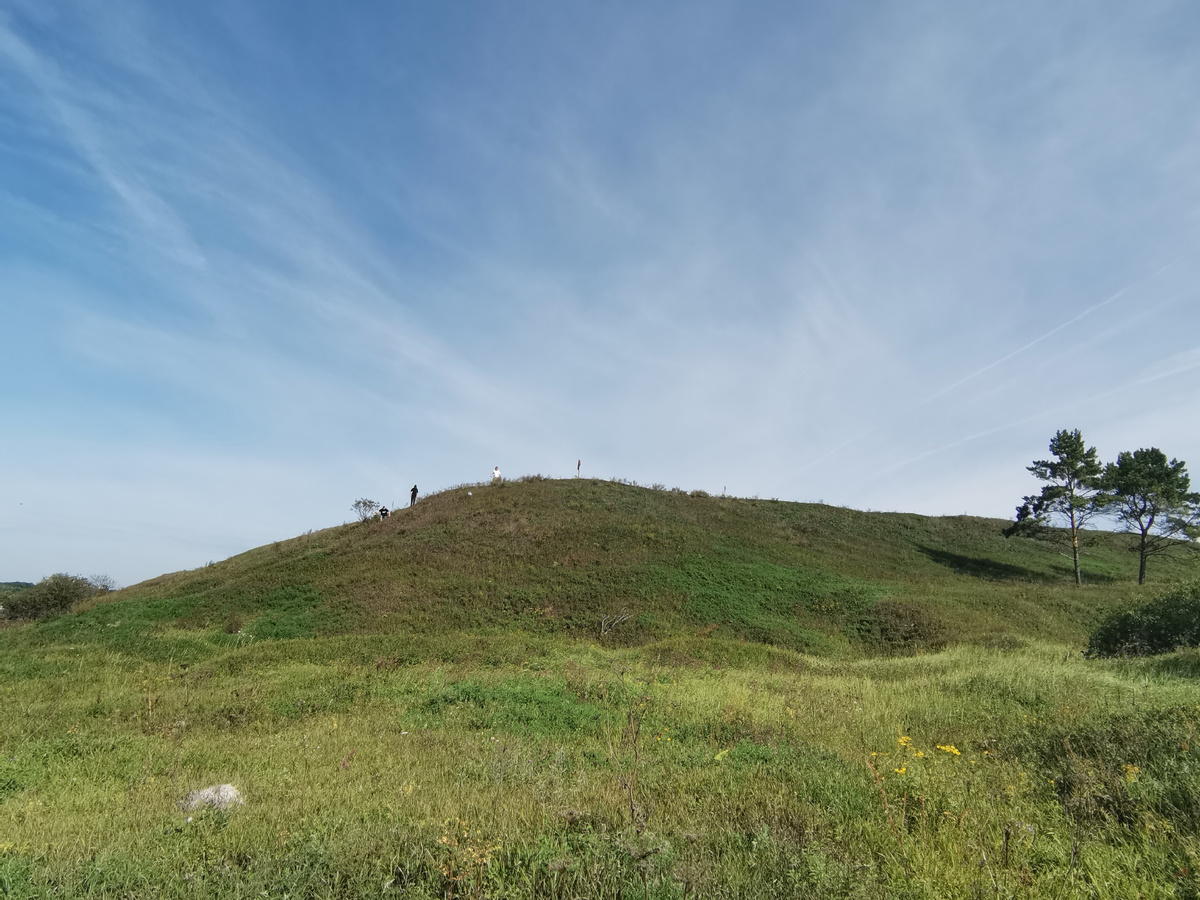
pixel 989 367
pixel 1135 383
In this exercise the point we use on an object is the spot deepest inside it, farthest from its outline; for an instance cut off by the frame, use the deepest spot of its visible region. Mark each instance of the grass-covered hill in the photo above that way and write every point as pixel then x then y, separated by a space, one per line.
pixel 448 704
pixel 572 557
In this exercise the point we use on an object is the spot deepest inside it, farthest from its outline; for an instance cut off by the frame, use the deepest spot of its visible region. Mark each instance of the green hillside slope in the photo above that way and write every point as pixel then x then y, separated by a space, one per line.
pixel 627 564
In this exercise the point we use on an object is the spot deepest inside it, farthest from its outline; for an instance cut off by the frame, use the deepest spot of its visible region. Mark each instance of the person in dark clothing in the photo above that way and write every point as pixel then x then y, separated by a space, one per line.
pixel 412 496
pixel 383 512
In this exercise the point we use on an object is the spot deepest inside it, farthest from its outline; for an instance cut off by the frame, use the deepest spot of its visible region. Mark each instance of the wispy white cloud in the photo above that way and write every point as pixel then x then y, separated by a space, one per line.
pixel 68 101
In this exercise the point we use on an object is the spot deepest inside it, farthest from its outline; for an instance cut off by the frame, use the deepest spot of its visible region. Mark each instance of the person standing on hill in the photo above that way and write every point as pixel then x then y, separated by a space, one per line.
pixel 578 466
pixel 383 512
pixel 496 475
pixel 412 496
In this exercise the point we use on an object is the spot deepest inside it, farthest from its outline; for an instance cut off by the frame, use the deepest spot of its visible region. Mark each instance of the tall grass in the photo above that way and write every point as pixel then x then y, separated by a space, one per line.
pixel 596 772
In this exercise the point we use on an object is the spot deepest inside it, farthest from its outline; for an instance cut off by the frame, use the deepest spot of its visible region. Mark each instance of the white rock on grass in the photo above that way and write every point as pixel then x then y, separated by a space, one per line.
pixel 219 796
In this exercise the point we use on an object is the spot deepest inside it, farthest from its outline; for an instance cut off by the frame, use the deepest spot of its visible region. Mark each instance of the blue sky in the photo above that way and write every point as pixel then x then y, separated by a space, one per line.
pixel 259 259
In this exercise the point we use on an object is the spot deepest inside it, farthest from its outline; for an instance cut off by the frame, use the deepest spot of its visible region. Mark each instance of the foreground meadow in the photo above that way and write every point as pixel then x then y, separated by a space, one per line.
pixel 515 766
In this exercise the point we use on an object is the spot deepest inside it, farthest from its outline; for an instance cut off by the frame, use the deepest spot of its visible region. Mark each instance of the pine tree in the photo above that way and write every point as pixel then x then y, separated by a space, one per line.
pixel 1152 498
pixel 1071 497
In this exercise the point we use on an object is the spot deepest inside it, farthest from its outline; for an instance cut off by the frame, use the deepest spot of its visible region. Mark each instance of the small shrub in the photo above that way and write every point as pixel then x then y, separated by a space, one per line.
pixel 365 509
pixel 1160 626
pixel 104 583
pixel 50 597
pixel 699 493
pixel 901 628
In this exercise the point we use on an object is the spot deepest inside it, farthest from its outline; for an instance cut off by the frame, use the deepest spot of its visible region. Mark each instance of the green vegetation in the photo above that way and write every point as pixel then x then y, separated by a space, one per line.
pixel 365 509
pixel 1160 626
pixel 1071 495
pixel 1153 499
pixel 589 689
pixel 52 596
pixel 1142 493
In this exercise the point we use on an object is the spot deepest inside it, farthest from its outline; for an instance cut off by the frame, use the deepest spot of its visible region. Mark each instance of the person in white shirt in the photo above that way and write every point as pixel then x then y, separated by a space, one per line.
pixel 495 474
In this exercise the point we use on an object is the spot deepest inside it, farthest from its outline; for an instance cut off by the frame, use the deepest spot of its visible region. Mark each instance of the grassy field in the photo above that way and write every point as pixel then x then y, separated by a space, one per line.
pixel 800 700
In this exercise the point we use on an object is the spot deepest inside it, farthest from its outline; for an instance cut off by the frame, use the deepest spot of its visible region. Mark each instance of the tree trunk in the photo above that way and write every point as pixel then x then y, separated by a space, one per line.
pixel 1075 549
pixel 1142 560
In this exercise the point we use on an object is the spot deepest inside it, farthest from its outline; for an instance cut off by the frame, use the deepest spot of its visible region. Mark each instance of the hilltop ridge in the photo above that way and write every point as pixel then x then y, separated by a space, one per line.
pixel 628 564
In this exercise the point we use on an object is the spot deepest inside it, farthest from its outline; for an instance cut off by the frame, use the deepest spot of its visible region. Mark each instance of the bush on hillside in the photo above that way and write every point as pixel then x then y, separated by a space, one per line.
pixel 52 596
pixel 1160 626
pixel 365 509
pixel 901 628
pixel 104 583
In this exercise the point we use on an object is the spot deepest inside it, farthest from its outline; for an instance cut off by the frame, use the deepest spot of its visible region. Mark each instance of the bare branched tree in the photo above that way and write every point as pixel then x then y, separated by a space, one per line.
pixel 365 509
